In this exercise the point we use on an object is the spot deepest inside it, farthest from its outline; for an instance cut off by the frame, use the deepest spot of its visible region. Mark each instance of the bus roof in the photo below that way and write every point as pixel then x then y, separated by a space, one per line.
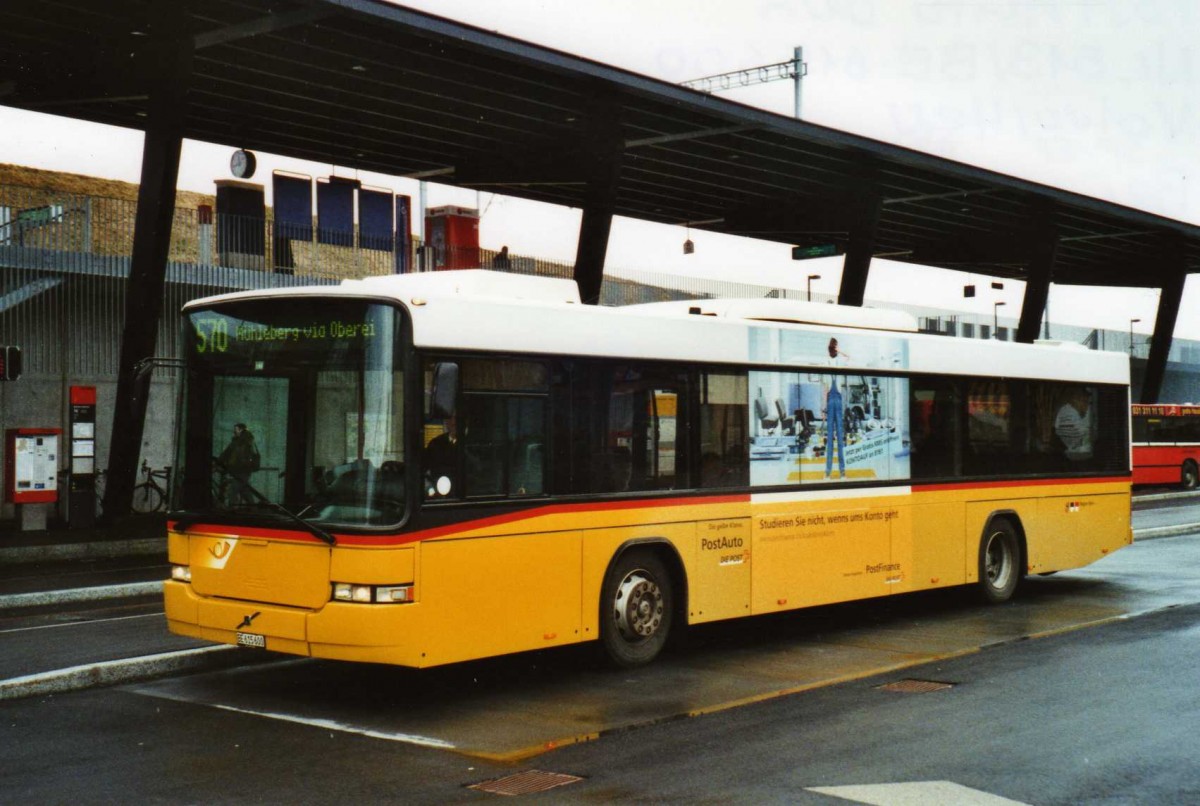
pixel 486 311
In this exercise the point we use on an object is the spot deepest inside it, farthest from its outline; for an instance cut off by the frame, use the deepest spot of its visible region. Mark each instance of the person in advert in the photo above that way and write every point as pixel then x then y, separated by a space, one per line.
pixel 835 420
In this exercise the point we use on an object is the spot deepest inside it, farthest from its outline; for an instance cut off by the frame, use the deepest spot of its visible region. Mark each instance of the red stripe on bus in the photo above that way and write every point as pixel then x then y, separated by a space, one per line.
pixel 986 485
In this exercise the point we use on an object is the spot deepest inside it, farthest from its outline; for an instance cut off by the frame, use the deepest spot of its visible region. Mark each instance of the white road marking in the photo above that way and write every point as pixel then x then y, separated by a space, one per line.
pixel 80 623
pixel 329 724
pixel 915 793
pixel 152 690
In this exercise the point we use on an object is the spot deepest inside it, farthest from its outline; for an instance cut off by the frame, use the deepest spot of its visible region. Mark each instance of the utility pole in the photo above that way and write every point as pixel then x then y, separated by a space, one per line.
pixel 795 70
pixel 798 70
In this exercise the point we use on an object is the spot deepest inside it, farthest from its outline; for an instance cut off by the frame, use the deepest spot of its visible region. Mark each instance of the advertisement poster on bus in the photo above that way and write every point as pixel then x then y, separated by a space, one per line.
pixel 838 418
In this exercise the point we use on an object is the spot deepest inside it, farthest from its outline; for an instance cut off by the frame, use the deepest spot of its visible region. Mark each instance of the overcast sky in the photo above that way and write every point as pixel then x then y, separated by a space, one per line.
pixel 1096 97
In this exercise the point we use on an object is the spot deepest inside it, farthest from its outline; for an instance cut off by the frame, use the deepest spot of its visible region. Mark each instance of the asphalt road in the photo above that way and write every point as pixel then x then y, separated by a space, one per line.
pixel 1100 715
pixel 1173 510
pixel 1106 715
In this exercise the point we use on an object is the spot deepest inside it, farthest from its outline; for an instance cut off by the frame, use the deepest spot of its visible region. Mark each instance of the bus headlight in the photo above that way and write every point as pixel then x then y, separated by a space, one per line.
pixel 181 573
pixel 377 594
pixel 393 594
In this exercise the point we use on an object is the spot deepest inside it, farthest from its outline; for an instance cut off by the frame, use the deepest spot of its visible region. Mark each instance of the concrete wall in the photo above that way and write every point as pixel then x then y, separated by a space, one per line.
pixel 43 402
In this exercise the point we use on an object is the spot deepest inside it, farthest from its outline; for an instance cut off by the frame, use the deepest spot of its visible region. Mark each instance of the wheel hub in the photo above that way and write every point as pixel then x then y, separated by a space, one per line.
pixel 638 607
pixel 997 565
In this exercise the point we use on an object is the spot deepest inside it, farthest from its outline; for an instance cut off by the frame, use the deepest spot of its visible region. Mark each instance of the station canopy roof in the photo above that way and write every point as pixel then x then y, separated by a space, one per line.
pixel 370 85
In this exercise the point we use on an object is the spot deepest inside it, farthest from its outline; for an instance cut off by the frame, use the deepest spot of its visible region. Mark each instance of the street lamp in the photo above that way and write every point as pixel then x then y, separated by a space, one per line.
pixel 1132 322
pixel 996 319
pixel 811 277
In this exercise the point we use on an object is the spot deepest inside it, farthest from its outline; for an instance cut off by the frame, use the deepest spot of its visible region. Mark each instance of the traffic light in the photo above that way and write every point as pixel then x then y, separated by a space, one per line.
pixel 10 363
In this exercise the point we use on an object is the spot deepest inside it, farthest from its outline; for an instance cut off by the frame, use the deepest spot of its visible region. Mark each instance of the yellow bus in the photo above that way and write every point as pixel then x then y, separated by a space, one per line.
pixel 432 468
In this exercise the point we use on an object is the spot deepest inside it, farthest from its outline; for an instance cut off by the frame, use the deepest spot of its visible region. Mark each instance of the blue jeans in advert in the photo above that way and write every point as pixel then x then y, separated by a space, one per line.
pixel 835 429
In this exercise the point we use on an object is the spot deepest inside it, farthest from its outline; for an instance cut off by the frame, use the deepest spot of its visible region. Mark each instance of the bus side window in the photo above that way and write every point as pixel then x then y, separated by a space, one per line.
pixel 637 430
pixel 933 413
pixel 1141 428
pixel 993 430
pixel 504 428
pixel 724 437
pixel 1111 424
pixel 441 459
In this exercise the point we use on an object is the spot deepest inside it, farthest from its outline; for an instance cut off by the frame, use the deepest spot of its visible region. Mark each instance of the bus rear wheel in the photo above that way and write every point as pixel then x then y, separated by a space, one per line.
pixel 636 609
pixel 1189 476
pixel 999 562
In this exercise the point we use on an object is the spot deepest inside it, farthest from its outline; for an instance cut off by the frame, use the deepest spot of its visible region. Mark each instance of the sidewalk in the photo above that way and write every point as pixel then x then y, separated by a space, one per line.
pixel 67 565
pixel 132 536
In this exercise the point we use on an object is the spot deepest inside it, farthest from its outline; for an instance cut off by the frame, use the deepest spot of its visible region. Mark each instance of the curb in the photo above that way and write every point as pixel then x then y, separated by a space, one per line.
pixel 74 595
pixel 1154 532
pixel 1179 496
pixel 111 672
pixel 97 550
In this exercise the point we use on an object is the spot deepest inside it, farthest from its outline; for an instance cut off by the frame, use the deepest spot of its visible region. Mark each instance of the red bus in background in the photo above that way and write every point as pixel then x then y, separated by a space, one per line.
pixel 1166 444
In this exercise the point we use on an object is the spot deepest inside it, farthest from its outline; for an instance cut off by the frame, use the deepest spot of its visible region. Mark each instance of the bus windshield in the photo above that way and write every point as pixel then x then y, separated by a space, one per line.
pixel 293 408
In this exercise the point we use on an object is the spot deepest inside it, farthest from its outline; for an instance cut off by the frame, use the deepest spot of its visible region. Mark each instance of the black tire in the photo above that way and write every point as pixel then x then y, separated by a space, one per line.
pixel 1000 561
pixel 1189 475
pixel 146 499
pixel 637 608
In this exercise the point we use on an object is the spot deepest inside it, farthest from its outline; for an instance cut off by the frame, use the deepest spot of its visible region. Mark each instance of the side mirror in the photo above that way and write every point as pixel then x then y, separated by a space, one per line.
pixel 443 395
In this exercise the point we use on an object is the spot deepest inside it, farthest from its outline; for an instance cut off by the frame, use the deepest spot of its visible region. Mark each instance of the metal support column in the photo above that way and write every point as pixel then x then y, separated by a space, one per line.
pixel 1043 250
pixel 861 246
pixel 151 245
pixel 604 152
pixel 1164 322
pixel 594 229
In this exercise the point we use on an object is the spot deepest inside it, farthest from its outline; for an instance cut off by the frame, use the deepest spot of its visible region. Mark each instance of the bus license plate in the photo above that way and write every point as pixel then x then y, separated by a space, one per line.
pixel 252 641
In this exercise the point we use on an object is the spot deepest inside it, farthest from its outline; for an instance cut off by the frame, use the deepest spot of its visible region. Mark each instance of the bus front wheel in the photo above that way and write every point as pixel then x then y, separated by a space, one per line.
pixel 1189 477
pixel 999 562
pixel 636 608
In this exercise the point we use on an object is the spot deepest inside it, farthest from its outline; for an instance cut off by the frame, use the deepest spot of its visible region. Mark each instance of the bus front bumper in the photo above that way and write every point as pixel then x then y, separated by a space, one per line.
pixel 338 631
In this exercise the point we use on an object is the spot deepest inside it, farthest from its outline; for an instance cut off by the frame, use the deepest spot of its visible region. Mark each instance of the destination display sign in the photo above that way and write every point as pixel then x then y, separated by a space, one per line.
pixel 216 333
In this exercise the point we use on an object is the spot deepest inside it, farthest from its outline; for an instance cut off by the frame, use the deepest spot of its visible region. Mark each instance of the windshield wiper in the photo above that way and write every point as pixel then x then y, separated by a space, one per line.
pixel 309 526
pixel 320 533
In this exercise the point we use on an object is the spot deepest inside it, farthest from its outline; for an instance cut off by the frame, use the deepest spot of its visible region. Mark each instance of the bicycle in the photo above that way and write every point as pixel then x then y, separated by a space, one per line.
pixel 150 496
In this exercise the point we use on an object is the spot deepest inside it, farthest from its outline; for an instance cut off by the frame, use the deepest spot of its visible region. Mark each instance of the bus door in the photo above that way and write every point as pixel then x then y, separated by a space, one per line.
pixel 249 437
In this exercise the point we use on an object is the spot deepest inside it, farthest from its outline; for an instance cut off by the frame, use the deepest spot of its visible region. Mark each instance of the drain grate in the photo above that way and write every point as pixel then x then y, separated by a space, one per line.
pixel 915 686
pixel 525 783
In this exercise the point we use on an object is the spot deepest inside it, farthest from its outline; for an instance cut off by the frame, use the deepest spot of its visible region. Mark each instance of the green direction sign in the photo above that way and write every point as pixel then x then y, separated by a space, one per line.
pixel 820 250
